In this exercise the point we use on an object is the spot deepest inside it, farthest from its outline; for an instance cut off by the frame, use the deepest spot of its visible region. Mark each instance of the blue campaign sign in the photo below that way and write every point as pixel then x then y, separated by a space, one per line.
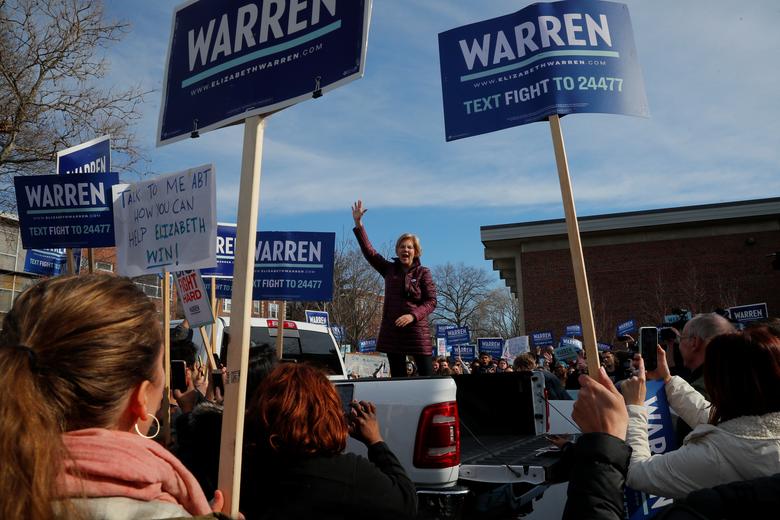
pixel 465 352
pixel 674 318
pixel 49 262
pixel 548 58
pixel 224 287
pixel 367 345
pixel 603 346
pixel 338 332
pixel 492 346
pixel 627 327
pixel 748 313
pixel 289 265
pixel 91 157
pixel 57 211
pixel 542 339
pixel 441 330
pixel 573 330
pixel 317 317
pixel 640 505
pixel 232 59
pixel 567 349
pixel 457 336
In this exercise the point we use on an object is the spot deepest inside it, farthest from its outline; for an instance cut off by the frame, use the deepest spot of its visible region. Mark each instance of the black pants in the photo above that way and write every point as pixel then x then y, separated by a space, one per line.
pixel 398 364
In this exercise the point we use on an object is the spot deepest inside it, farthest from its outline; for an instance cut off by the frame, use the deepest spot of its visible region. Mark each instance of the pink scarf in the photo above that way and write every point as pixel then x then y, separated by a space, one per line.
pixel 108 463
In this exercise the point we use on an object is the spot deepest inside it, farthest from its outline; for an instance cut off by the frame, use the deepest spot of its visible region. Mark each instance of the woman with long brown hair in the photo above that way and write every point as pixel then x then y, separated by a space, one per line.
pixel 296 432
pixel 81 365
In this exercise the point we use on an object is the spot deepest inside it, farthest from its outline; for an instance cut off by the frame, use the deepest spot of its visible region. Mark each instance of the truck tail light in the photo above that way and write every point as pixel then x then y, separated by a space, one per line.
pixel 274 324
pixel 437 444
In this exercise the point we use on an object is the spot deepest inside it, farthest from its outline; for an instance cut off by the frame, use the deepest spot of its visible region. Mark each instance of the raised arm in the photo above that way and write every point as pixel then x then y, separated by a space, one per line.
pixel 377 261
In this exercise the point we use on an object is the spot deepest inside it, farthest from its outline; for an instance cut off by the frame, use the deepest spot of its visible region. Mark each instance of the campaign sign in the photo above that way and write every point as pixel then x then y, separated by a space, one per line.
pixel 50 262
pixel 466 353
pixel 167 223
pixel 289 265
pixel 640 505
pixel 441 347
pixel 513 347
pixel 542 339
pixel 568 348
pixel 573 330
pixel 674 318
pixel 548 58
pixel 457 336
pixel 91 157
pixel 627 327
pixel 748 313
pixel 492 346
pixel 57 211
pixel 338 333
pixel 194 298
pixel 367 345
pixel 225 252
pixel 317 317
pixel 441 330
pixel 603 346
pixel 232 59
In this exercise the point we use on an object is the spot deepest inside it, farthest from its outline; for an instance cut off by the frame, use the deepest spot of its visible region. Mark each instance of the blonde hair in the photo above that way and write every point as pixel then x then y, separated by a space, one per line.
pixel 71 349
pixel 415 243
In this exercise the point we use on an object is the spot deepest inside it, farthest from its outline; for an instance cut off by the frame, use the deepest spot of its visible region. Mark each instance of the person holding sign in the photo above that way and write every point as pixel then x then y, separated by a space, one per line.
pixel 410 296
pixel 736 434
pixel 82 358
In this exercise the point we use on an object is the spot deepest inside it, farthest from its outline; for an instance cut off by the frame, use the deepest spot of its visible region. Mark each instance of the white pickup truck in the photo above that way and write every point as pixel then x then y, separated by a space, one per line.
pixel 420 420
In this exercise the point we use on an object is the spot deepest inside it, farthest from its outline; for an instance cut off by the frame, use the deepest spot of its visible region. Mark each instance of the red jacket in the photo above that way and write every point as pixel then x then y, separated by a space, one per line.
pixel 412 293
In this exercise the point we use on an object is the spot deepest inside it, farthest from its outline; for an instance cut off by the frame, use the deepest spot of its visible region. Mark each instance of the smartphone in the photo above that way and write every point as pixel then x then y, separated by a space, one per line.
pixel 648 346
pixel 218 382
pixel 178 375
pixel 346 393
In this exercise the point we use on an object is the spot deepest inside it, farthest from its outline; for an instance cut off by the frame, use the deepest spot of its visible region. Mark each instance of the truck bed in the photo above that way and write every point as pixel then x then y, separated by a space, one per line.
pixel 502 419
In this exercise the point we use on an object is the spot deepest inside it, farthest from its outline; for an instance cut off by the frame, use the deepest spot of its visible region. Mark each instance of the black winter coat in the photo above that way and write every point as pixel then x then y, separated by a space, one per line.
pixel 341 487
pixel 412 293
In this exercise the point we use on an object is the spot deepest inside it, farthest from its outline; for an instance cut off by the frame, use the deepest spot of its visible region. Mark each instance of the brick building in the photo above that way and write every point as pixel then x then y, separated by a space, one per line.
pixel 642 264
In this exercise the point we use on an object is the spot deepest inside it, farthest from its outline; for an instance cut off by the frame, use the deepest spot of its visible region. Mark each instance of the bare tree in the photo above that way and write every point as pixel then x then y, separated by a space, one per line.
pixel 498 315
pixel 357 294
pixel 460 289
pixel 51 65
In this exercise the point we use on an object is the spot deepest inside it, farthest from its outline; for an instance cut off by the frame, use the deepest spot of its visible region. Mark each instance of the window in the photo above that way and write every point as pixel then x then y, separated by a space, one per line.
pixel 255 307
pixel 273 311
pixel 226 305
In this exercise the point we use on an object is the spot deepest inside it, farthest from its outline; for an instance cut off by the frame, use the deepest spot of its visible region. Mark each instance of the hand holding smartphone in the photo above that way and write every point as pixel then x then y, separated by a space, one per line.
pixel 648 344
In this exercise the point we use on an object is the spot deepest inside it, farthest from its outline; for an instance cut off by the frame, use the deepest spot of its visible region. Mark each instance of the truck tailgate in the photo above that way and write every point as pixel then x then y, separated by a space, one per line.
pixel 505 459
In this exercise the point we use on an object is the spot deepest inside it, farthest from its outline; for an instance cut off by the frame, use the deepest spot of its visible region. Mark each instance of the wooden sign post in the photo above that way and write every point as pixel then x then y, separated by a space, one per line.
pixel 238 354
pixel 165 422
pixel 280 329
pixel 575 246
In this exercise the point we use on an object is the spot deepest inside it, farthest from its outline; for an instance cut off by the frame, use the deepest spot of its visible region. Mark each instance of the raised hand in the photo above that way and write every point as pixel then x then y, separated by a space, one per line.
pixel 357 212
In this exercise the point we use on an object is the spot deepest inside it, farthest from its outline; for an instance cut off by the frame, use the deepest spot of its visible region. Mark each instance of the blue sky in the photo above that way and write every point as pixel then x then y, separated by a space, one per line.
pixel 711 78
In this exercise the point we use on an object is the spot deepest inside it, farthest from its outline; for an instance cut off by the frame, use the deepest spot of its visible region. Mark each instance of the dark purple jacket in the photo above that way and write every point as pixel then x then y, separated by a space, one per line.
pixel 412 293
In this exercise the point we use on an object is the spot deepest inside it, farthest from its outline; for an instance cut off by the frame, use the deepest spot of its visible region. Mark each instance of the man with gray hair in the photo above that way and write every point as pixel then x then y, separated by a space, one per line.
pixel 695 337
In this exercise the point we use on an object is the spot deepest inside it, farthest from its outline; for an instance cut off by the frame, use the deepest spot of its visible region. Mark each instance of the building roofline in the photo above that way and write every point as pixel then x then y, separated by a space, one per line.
pixel 636 219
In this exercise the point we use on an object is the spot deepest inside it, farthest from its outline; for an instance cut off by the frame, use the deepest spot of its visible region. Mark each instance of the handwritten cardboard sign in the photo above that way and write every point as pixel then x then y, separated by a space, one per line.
pixel 167 223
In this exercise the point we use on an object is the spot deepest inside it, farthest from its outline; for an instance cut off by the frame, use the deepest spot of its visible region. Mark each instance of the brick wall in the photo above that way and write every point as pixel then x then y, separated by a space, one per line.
pixel 645 280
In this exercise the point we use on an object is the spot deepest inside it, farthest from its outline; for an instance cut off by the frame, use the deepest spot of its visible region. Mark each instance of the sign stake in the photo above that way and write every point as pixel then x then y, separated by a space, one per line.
pixel 280 329
pixel 165 423
pixel 214 312
pixel 238 356
pixel 575 246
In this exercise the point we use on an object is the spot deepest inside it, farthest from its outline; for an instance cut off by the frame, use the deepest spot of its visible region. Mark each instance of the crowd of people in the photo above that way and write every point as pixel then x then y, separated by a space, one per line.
pixel 84 357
